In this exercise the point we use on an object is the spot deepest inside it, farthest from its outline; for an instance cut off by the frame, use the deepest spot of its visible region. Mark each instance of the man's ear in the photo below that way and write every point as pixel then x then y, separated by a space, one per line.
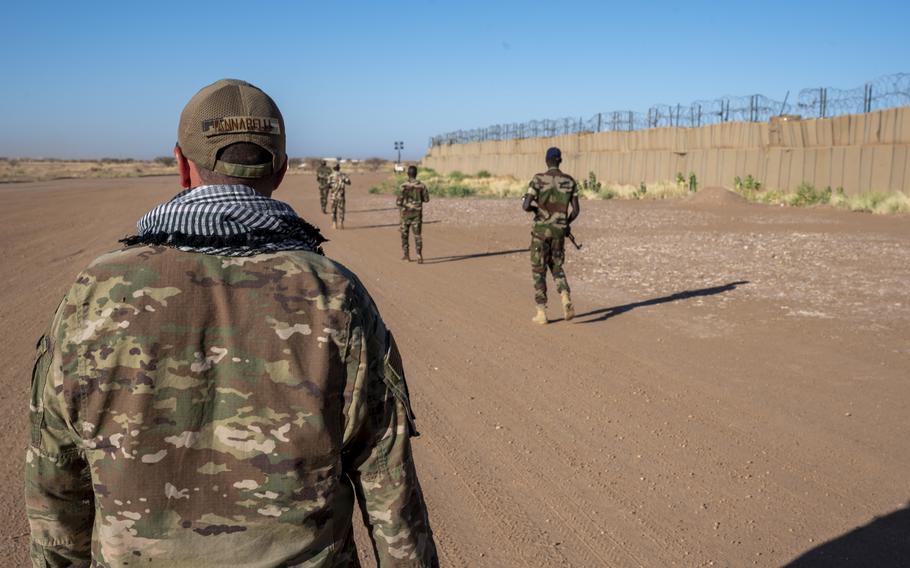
pixel 279 175
pixel 183 167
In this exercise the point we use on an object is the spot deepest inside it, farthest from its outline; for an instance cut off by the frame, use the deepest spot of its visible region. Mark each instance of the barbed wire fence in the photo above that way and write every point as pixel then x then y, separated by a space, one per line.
pixel 888 91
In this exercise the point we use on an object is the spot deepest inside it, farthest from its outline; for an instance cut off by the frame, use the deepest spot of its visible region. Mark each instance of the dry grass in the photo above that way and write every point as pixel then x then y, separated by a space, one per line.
pixel 300 167
pixel 806 195
pixel 457 184
pixel 483 184
pixel 660 190
pixel 20 170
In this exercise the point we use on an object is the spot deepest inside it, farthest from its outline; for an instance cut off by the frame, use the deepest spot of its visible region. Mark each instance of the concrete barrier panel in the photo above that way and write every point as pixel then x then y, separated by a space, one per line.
pixel 898 161
pixel 859 152
pixel 881 168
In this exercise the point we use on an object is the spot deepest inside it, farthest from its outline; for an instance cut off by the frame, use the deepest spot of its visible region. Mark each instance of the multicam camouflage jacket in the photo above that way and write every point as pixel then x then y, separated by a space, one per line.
pixel 552 191
pixel 413 195
pixel 193 410
pixel 337 183
pixel 322 175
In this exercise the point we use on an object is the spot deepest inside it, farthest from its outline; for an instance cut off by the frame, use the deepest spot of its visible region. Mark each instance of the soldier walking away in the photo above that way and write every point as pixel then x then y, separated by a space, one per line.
pixel 337 183
pixel 322 178
pixel 549 197
pixel 410 203
pixel 217 392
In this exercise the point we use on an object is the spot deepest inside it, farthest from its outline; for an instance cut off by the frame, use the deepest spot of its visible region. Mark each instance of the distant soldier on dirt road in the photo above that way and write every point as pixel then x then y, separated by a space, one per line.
pixel 337 183
pixel 219 393
pixel 550 196
pixel 322 178
pixel 413 195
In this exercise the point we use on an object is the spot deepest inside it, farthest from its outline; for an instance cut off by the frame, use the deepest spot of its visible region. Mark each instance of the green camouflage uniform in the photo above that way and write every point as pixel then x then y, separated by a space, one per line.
pixel 192 410
pixel 413 195
pixel 552 191
pixel 322 178
pixel 337 183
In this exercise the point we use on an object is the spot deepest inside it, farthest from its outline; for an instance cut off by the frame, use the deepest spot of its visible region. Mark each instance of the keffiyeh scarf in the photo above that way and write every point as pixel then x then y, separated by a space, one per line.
pixel 229 220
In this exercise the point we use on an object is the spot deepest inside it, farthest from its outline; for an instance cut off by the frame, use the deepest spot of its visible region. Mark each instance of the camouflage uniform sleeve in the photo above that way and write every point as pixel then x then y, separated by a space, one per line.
pixel 58 490
pixel 377 456
pixel 534 188
pixel 399 201
pixel 424 193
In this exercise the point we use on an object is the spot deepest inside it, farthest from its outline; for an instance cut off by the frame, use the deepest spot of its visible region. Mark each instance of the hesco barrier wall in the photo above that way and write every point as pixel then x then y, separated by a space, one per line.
pixel 860 152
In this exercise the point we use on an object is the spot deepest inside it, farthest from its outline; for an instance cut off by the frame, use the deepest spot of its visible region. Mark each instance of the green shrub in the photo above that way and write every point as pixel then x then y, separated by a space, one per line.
pixel 374 190
pixel 806 194
pixel 483 174
pixel 749 183
pixel 606 193
pixel 868 202
pixel 427 171
pixel 457 176
pixel 693 182
pixel 458 190
pixel 591 182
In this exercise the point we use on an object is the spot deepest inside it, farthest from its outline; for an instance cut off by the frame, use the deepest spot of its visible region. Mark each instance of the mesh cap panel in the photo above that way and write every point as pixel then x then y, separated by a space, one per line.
pixel 226 112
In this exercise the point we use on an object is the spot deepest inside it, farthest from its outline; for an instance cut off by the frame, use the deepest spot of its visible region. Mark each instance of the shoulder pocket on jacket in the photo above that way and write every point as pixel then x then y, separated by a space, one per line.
pixel 40 370
pixel 393 376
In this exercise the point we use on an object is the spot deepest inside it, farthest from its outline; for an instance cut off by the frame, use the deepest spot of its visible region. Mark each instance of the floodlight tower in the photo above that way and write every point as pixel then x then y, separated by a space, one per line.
pixel 399 146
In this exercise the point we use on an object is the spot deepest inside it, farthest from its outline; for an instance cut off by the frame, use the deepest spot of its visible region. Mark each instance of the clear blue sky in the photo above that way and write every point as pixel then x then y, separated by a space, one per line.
pixel 92 79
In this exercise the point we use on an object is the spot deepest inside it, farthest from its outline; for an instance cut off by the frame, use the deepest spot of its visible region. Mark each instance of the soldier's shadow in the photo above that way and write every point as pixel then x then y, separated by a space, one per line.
pixel 384 226
pixel 349 211
pixel 457 257
pixel 607 313
pixel 882 543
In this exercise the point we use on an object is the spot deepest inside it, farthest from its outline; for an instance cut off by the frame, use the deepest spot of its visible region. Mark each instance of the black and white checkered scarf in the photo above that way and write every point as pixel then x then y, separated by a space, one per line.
pixel 229 220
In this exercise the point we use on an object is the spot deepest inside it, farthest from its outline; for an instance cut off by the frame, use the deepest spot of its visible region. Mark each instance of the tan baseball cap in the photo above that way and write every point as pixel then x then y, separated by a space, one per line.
pixel 224 113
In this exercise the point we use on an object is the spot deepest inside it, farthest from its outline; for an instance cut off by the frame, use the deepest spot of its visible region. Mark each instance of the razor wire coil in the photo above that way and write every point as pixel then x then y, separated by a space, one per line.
pixel 888 91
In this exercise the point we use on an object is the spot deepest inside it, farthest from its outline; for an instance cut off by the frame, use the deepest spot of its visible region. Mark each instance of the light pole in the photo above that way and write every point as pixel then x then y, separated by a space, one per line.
pixel 399 146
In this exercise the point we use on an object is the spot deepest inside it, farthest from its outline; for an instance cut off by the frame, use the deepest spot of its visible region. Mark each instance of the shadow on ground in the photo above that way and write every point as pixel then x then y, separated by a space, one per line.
pixel 457 257
pixel 883 543
pixel 606 313
pixel 371 210
pixel 383 226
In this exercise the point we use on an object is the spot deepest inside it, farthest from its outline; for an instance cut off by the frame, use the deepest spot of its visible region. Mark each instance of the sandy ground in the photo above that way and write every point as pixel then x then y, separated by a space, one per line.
pixel 735 391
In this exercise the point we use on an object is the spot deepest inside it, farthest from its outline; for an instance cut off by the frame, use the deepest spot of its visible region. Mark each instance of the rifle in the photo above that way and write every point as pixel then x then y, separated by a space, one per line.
pixel 571 238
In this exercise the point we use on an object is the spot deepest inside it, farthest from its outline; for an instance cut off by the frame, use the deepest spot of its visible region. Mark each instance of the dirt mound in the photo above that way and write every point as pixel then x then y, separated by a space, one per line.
pixel 716 196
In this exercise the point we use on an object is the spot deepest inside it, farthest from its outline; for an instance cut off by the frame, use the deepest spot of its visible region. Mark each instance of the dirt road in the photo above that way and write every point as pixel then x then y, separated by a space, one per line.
pixel 735 392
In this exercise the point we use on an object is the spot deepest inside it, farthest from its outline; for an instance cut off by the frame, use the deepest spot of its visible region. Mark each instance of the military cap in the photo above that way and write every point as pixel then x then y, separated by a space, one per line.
pixel 224 113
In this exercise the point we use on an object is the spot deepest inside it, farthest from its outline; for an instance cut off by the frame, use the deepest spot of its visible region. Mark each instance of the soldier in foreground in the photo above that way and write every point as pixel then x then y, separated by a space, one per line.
pixel 322 178
pixel 217 392
pixel 550 196
pixel 410 203
pixel 337 183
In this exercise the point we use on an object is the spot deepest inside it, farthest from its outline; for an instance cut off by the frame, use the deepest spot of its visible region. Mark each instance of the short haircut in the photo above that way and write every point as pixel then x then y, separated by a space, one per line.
pixel 412 171
pixel 554 162
pixel 242 153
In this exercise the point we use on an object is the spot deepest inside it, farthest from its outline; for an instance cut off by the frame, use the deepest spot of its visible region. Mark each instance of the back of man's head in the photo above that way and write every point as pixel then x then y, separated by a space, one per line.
pixel 234 133
pixel 412 172
pixel 337 167
pixel 554 157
